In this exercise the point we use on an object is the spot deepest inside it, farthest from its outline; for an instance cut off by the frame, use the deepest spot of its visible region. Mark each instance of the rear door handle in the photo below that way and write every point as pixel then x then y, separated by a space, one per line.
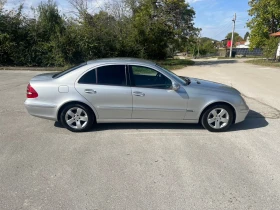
pixel 140 94
pixel 90 91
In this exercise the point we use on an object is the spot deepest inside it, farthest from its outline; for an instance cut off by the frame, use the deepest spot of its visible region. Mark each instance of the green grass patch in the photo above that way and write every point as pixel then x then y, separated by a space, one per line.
pixel 237 57
pixel 264 62
pixel 174 64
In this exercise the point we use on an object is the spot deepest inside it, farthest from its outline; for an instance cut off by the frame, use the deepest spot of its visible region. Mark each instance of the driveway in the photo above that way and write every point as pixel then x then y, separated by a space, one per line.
pixel 144 166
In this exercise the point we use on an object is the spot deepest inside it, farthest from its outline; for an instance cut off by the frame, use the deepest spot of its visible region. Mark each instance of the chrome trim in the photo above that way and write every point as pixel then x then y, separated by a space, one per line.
pixel 41 105
pixel 158 109
pixel 113 107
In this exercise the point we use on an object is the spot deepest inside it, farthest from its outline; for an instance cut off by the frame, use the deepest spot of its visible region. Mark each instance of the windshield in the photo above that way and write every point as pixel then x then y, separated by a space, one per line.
pixel 68 70
pixel 172 74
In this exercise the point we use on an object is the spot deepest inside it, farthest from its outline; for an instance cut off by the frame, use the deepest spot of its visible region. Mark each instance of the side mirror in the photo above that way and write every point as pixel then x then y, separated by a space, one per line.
pixel 175 86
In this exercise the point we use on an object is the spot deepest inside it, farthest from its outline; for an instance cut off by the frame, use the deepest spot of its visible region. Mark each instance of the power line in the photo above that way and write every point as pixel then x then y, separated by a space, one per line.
pixel 223 29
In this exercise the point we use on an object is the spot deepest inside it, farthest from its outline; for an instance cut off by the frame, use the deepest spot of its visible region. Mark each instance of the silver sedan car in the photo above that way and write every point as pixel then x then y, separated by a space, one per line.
pixel 131 90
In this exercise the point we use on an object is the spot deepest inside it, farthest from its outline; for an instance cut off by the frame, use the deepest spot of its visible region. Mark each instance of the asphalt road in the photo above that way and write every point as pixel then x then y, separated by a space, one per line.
pixel 144 166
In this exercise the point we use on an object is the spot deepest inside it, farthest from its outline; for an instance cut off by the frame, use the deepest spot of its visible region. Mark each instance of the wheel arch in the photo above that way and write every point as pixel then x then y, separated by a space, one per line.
pixel 75 102
pixel 218 103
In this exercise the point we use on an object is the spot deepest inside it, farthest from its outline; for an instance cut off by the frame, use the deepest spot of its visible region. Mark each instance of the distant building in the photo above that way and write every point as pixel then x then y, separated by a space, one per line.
pixel 243 44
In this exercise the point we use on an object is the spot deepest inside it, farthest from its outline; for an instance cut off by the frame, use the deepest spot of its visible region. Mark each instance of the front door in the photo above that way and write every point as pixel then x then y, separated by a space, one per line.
pixel 106 88
pixel 153 97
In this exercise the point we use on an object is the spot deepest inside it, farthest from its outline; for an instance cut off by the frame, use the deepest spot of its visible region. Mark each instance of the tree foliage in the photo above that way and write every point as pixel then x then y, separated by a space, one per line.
pixel 265 19
pixel 270 47
pixel 133 28
pixel 246 36
pixel 207 46
pixel 236 37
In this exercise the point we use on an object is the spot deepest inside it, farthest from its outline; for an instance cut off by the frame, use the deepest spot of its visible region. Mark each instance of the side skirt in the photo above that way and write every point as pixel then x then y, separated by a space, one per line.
pixel 144 121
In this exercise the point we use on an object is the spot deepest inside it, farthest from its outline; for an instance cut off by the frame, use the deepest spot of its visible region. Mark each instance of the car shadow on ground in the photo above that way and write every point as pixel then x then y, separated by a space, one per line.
pixel 254 120
pixel 214 62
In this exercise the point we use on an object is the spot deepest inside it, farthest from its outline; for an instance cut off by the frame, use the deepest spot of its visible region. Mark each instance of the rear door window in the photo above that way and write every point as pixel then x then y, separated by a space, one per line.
pixel 112 75
pixel 88 78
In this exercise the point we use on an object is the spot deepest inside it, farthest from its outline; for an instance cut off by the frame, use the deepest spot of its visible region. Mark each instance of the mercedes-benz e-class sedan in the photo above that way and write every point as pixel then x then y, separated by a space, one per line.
pixel 131 90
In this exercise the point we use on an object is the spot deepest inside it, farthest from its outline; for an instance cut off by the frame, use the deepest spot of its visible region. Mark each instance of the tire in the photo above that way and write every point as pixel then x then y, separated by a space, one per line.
pixel 219 123
pixel 77 118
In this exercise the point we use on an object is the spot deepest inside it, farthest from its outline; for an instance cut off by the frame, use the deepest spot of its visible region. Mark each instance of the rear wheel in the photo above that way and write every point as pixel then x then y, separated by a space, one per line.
pixel 217 118
pixel 77 118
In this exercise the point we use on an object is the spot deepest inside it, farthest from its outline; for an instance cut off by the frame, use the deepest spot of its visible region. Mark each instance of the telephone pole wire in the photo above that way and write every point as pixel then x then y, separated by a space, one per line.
pixel 233 29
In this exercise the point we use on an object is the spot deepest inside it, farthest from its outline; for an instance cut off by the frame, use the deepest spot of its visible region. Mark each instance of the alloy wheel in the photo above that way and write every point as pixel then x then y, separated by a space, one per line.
pixel 76 118
pixel 218 118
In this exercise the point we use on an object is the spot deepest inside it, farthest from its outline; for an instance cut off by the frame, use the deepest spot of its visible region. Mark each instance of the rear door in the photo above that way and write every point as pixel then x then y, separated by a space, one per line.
pixel 106 88
pixel 153 97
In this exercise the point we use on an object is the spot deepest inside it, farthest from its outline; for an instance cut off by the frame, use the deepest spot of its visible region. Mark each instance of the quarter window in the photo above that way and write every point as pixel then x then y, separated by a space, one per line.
pixel 111 75
pixel 149 78
pixel 88 78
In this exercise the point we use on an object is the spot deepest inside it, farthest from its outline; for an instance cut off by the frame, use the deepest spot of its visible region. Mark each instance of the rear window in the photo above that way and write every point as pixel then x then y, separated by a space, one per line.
pixel 68 71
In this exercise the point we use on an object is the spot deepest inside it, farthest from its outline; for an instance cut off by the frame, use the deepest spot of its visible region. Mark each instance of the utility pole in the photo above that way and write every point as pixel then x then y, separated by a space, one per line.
pixel 199 36
pixel 233 28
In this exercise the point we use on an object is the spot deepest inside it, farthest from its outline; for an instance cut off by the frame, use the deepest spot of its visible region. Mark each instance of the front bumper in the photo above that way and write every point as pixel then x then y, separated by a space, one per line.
pixel 42 110
pixel 242 113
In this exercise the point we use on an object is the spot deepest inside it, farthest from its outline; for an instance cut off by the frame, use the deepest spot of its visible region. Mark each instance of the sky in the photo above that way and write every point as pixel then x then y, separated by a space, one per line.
pixel 214 17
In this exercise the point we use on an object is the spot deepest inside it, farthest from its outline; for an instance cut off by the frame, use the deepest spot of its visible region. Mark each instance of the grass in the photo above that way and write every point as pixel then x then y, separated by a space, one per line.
pixel 174 64
pixel 264 62
pixel 236 57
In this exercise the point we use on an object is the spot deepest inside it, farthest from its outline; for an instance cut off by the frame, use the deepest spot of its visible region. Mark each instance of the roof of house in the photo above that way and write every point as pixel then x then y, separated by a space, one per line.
pixel 240 43
pixel 275 34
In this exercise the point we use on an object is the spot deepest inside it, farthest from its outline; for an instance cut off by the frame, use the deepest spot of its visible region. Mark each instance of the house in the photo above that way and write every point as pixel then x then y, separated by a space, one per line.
pixel 243 44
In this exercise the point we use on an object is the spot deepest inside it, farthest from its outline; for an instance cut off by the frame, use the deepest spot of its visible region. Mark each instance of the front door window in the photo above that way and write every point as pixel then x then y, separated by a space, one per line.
pixel 144 77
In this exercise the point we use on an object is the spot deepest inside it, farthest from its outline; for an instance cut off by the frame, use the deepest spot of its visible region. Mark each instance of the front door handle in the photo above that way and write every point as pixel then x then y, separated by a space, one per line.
pixel 140 94
pixel 90 91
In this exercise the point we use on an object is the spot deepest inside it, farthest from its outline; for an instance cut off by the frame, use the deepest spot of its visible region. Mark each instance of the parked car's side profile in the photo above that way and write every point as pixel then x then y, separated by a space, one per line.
pixel 131 90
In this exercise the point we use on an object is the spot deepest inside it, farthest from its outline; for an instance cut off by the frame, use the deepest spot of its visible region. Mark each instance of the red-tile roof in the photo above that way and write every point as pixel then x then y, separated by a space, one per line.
pixel 240 43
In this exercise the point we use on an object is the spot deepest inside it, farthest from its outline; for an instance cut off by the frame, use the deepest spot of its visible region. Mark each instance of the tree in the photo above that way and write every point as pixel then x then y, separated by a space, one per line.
pixel 236 37
pixel 270 47
pixel 2 3
pixel 207 46
pixel 152 29
pixel 265 19
pixel 246 36
pixel 161 25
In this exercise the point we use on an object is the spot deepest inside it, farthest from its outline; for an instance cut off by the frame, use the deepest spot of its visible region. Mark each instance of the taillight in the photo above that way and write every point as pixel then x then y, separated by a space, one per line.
pixel 31 93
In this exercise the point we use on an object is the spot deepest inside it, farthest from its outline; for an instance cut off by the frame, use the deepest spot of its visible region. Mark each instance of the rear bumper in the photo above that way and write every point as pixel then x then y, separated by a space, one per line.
pixel 42 110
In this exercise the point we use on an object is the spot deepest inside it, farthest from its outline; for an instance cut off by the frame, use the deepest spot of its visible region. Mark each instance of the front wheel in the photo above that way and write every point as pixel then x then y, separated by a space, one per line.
pixel 217 118
pixel 77 118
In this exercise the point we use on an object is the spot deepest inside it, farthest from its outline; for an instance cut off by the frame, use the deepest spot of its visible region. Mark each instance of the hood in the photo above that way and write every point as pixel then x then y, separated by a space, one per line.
pixel 44 77
pixel 212 86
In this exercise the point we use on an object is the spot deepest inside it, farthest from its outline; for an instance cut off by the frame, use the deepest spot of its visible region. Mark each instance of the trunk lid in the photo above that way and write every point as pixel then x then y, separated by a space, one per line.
pixel 44 77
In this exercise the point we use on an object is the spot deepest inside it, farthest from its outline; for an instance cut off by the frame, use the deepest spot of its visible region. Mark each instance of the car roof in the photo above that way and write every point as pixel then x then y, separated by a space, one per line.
pixel 121 61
